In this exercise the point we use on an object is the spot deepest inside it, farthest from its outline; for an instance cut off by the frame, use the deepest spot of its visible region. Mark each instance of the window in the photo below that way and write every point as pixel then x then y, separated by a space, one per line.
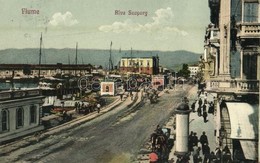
pixel 33 114
pixel 5 117
pixel 123 63
pixel 251 12
pixel 19 117
pixel 148 63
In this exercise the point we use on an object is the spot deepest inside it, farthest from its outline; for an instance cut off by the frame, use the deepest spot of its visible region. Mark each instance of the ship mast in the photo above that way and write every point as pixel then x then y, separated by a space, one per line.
pixel 40 57
pixel 76 58
pixel 110 58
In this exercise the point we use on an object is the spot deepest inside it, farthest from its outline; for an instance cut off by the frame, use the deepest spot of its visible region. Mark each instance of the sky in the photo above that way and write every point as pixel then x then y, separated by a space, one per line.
pixel 165 25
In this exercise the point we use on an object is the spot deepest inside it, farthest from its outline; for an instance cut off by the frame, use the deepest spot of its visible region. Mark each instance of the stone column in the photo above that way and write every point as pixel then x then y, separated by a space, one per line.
pixel 224 26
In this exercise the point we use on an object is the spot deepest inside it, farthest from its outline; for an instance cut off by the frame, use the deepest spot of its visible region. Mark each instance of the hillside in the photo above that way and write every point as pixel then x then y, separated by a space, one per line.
pixel 169 59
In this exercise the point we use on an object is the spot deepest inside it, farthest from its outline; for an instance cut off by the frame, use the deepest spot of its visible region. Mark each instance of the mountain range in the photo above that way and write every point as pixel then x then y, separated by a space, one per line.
pixel 170 59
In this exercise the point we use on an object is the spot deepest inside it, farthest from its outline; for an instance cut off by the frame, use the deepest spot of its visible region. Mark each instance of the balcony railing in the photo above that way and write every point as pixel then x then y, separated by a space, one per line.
pixel 248 30
pixel 236 86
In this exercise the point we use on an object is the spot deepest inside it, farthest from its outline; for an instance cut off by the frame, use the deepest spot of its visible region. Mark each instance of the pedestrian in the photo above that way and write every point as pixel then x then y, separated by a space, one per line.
pixel 179 159
pixel 211 108
pixel 199 111
pixel 218 154
pixel 64 115
pixel 193 106
pixel 37 136
pixel 195 139
pixel 200 102
pixel 226 155
pixel 190 142
pixel 203 140
pixel 212 157
pixel 82 105
pixel 98 107
pixel 206 152
pixel 205 115
pixel 76 106
pixel 121 97
pixel 153 157
pixel 182 159
pixel 154 139
pixel 196 155
pixel 131 95
pixel 205 101
pixel 204 107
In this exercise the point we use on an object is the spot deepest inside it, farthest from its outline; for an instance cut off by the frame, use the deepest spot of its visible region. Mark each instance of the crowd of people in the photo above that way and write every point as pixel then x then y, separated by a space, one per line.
pixel 203 110
pixel 83 108
pixel 197 145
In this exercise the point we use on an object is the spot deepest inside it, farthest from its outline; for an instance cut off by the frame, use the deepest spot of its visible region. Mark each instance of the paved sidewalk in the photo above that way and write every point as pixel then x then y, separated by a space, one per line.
pixel 197 124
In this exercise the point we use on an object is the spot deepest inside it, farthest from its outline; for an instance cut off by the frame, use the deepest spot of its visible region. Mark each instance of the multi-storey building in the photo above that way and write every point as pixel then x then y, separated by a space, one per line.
pixel 20 113
pixel 231 66
pixel 193 70
pixel 142 65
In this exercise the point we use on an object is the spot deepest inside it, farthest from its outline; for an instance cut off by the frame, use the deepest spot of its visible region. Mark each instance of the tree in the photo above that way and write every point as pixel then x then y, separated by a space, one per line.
pixel 184 72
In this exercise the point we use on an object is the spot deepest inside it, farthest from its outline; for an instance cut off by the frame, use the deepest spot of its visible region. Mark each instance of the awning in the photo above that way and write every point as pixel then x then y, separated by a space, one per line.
pixel 249 149
pixel 243 120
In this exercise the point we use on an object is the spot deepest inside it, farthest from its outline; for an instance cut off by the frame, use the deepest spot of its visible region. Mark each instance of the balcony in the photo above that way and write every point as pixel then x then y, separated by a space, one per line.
pixel 248 30
pixel 234 86
pixel 214 35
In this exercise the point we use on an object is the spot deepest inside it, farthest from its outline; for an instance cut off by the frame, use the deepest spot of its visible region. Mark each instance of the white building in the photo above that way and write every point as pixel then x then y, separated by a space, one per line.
pixel 193 70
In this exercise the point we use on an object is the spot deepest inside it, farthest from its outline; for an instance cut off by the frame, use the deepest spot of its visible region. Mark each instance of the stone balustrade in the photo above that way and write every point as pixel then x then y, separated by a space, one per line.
pixel 235 86
pixel 249 30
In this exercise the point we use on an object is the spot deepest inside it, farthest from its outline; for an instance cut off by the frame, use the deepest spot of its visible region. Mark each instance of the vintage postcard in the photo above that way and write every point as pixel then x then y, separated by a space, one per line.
pixel 122 81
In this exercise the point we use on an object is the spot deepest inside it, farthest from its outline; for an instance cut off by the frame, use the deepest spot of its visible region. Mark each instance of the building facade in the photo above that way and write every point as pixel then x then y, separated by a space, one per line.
pixel 20 113
pixel 32 70
pixel 144 65
pixel 193 70
pixel 231 67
